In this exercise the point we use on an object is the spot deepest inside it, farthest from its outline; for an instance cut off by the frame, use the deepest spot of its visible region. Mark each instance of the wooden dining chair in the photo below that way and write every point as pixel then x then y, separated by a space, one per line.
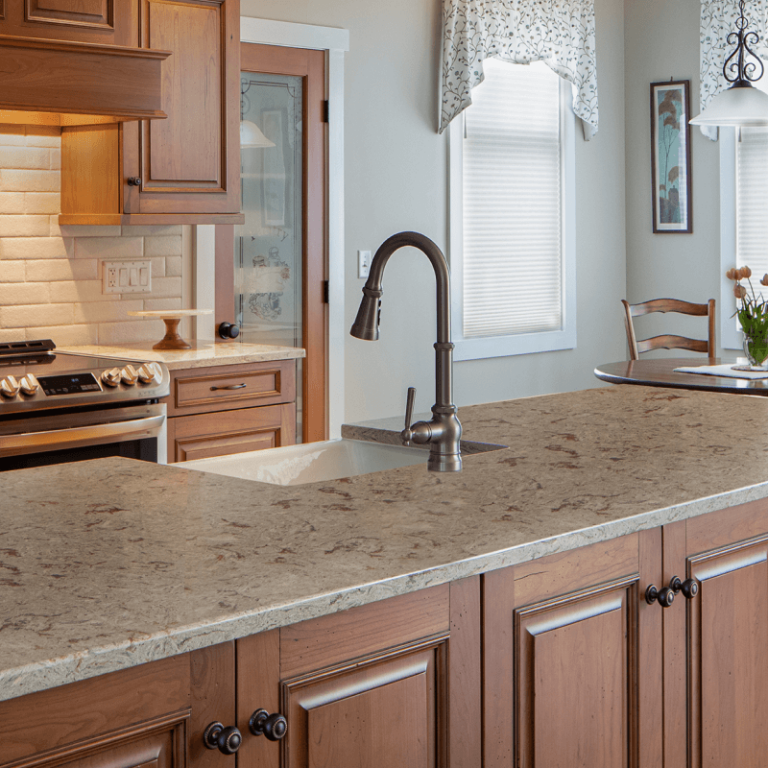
pixel 667 341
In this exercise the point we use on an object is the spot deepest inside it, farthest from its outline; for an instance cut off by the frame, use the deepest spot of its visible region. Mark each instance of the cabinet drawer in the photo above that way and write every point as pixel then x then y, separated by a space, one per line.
pixel 222 434
pixel 232 387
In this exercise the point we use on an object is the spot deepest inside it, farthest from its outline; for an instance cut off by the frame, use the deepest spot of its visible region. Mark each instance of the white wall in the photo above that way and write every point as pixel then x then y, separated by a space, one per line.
pixel 662 42
pixel 396 179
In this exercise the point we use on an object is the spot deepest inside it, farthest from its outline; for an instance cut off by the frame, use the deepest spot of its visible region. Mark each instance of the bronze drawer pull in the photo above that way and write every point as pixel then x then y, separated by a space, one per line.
pixel 231 386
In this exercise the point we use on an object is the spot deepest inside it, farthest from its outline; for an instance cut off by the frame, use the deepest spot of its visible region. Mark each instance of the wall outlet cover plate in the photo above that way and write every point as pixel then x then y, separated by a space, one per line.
pixel 127 277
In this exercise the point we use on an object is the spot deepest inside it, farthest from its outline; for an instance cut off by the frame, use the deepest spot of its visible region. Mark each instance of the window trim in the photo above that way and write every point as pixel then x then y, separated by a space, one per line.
pixel 525 343
pixel 730 337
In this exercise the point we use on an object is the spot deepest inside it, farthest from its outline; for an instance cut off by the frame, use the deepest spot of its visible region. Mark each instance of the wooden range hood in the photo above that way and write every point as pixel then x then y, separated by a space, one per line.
pixel 53 82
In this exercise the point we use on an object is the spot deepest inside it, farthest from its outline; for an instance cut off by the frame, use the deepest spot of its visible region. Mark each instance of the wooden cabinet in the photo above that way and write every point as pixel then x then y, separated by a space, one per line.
pixel 113 22
pixel 580 670
pixel 717 688
pixel 231 409
pixel 389 684
pixel 152 715
pixel 185 168
pixel 572 658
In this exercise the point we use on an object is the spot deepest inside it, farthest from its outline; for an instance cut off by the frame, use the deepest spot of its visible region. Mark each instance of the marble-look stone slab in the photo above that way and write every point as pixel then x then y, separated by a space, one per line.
pixel 112 563
pixel 202 355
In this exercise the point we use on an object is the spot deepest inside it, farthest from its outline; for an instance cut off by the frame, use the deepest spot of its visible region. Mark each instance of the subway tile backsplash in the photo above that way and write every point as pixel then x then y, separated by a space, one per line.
pixel 51 276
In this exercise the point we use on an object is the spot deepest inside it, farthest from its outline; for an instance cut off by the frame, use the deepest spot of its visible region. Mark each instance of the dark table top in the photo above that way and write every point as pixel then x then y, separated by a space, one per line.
pixel 659 372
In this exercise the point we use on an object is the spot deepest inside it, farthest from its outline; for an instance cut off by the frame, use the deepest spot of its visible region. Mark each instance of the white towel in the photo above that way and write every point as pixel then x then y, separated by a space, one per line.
pixel 723 370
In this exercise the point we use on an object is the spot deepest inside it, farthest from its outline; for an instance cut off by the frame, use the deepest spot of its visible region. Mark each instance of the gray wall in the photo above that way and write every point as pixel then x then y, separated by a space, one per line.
pixel 396 179
pixel 662 42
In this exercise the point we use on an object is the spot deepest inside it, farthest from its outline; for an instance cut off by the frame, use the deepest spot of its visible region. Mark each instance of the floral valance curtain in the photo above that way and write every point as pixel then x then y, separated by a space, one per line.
pixel 718 20
pixel 559 32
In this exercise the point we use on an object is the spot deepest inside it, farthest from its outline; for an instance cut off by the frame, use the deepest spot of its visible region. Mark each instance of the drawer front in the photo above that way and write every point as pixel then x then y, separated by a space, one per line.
pixel 222 434
pixel 232 387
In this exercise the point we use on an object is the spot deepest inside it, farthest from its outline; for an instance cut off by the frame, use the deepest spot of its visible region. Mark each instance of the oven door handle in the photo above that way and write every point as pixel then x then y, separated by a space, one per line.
pixel 73 437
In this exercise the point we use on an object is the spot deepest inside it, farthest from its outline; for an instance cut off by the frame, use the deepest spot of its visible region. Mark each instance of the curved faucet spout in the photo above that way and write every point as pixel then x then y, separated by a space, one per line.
pixel 443 432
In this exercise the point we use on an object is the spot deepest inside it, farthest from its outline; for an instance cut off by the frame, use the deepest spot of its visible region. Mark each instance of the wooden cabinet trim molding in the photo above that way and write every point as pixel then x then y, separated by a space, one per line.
pixel 177 724
pixel 123 698
pixel 47 13
pixel 330 640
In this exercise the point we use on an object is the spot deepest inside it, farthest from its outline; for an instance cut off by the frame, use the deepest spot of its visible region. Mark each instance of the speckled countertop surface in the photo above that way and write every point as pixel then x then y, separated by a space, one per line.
pixel 202 355
pixel 108 564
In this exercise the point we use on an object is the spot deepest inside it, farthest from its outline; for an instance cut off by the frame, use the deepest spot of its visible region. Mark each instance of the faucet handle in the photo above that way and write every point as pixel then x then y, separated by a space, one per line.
pixel 409 407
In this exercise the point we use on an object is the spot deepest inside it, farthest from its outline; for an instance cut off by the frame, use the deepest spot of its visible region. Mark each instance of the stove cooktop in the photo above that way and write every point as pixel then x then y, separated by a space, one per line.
pixel 33 376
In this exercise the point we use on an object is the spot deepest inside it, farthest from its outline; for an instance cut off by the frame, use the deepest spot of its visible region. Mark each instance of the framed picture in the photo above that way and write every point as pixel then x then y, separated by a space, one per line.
pixel 671 157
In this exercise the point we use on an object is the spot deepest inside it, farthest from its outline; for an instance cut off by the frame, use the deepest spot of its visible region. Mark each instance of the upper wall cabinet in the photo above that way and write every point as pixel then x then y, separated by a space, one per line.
pixel 113 22
pixel 186 168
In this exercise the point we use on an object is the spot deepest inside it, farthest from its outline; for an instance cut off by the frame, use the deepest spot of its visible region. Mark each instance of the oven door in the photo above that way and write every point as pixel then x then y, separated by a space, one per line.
pixel 134 431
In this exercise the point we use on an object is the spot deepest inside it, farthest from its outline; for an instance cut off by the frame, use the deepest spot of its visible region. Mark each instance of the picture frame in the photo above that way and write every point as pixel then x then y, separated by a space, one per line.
pixel 671 157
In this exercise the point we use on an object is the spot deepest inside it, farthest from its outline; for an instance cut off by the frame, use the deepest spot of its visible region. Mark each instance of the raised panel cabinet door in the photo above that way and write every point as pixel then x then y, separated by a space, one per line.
pixel 189 162
pixel 724 638
pixel 223 434
pixel 385 685
pixel 572 659
pixel 112 22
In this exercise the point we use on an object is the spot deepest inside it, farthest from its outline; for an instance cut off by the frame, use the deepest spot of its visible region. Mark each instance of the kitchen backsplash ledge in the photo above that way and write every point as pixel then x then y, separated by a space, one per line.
pixel 51 276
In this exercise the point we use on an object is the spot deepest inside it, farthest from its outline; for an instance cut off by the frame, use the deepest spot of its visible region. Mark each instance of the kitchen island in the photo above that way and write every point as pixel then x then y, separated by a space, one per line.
pixel 112 564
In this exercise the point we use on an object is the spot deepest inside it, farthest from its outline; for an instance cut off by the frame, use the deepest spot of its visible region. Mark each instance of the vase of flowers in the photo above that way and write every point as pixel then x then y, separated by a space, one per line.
pixel 752 311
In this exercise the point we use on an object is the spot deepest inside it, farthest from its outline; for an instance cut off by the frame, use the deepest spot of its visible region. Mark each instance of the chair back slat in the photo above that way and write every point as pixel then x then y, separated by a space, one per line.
pixel 669 341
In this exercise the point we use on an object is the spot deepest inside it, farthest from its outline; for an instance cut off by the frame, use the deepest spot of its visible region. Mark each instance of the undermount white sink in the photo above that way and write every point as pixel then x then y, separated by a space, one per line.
pixel 311 462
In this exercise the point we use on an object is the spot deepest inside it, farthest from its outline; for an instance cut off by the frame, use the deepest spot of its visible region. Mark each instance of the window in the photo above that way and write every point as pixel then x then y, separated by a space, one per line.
pixel 512 215
pixel 744 217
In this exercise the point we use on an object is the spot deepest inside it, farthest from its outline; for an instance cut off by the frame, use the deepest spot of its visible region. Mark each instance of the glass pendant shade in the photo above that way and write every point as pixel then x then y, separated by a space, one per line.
pixel 739 105
pixel 251 135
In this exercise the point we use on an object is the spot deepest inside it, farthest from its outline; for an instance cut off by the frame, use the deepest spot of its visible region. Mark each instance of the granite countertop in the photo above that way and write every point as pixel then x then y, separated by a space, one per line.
pixel 111 563
pixel 204 354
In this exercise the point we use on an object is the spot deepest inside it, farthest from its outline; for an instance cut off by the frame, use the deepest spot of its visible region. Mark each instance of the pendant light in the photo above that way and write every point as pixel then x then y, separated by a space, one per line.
pixel 251 136
pixel 741 103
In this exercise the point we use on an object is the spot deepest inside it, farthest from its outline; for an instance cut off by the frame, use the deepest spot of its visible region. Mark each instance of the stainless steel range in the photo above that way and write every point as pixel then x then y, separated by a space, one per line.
pixel 59 406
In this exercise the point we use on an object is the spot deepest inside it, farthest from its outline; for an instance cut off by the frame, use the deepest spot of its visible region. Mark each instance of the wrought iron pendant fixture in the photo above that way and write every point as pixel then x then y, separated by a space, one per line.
pixel 741 103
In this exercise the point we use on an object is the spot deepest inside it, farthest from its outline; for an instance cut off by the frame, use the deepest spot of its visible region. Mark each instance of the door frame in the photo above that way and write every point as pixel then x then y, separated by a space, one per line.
pixel 334 42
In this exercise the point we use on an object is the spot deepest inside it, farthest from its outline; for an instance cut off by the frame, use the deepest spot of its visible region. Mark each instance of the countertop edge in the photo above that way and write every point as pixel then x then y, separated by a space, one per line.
pixel 81 666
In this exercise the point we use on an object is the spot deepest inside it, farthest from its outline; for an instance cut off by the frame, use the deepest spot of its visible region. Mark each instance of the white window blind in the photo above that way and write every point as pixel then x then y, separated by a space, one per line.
pixel 752 203
pixel 513 203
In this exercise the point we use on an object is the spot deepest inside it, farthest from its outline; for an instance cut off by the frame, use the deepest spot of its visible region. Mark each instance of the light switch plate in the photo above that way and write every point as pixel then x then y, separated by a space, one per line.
pixel 363 264
pixel 127 277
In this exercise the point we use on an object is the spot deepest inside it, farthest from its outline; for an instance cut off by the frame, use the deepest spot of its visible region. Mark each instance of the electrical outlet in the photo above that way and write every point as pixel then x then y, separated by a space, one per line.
pixel 363 264
pixel 127 277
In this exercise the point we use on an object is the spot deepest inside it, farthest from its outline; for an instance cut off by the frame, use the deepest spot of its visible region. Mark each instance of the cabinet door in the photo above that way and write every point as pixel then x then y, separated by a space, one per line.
pixel 113 22
pixel 721 636
pixel 189 162
pixel 389 684
pixel 572 659
pixel 222 434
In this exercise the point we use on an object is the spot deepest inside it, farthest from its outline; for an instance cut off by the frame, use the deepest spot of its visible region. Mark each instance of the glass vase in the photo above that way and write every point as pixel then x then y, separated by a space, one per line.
pixel 756 350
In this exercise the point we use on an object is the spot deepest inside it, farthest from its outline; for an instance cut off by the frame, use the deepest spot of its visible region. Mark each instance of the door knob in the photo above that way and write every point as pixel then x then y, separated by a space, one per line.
pixel 226 740
pixel 689 587
pixel 229 331
pixel 134 181
pixel 665 596
pixel 274 727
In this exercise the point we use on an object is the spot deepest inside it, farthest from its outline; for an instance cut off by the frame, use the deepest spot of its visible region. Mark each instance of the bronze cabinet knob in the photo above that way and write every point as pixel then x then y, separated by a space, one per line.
pixel 226 740
pixel 665 596
pixel 689 587
pixel 274 727
pixel 134 181
pixel 229 331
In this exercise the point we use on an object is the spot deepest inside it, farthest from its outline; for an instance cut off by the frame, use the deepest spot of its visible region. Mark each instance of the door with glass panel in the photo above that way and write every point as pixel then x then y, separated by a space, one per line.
pixel 280 251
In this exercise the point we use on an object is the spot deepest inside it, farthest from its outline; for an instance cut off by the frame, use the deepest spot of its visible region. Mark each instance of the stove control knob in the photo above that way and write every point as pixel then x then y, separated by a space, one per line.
pixel 29 384
pixel 111 377
pixel 129 375
pixel 9 387
pixel 149 373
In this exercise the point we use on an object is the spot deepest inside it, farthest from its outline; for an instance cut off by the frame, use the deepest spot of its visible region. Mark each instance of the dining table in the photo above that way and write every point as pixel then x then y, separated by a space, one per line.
pixel 660 372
